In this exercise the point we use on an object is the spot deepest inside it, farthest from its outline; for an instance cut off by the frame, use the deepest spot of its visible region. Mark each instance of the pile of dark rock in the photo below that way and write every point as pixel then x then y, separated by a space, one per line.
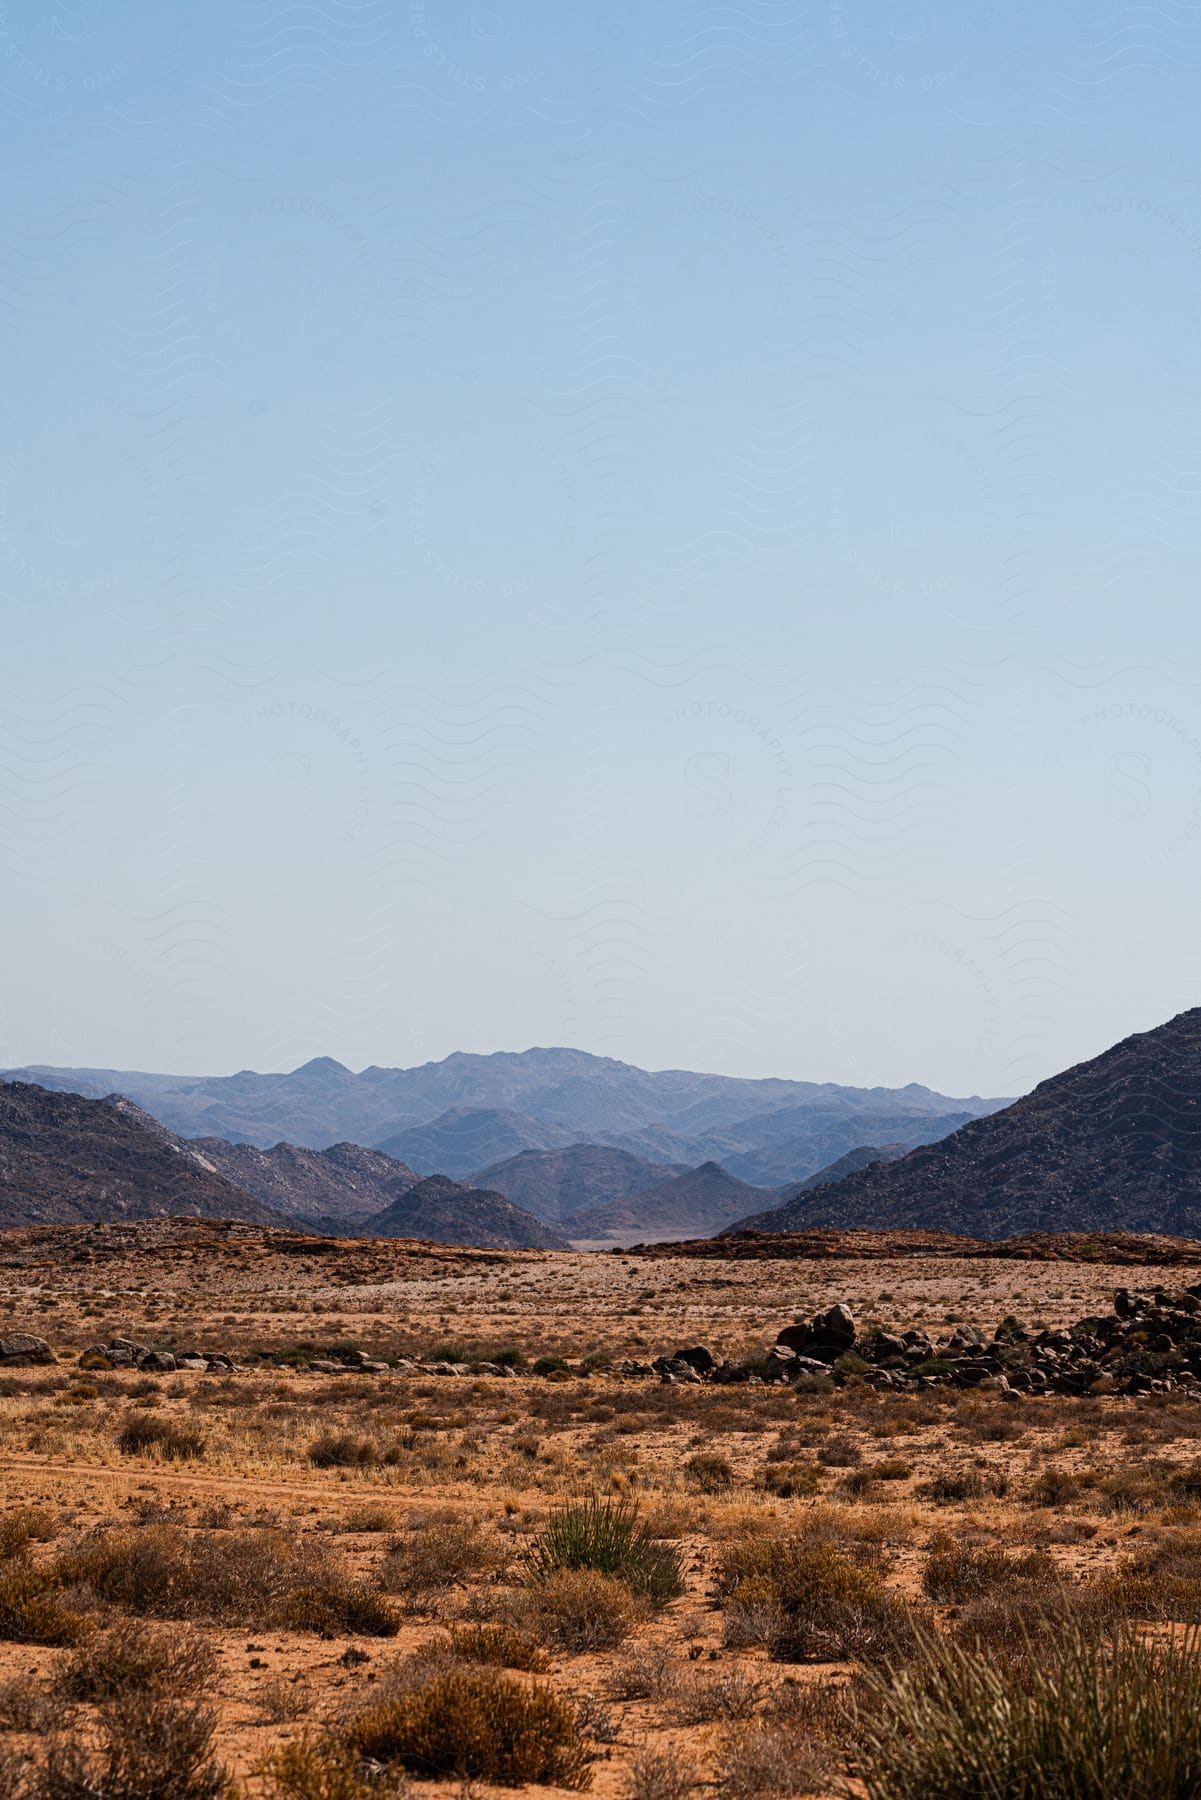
pixel 357 1362
pixel 124 1353
pixel 1146 1345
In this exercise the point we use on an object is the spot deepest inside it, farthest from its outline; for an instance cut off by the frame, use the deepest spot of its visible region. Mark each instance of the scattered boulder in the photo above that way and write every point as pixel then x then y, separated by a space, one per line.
pixel 23 1348
pixel 828 1335
pixel 675 1369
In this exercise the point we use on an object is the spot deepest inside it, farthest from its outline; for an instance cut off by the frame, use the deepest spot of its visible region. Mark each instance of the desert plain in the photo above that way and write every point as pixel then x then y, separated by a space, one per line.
pixel 276 1551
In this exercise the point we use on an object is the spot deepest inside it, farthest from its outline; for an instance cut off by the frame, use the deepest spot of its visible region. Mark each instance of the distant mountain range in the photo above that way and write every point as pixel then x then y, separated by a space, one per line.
pixel 475 1111
pixel 561 1145
pixel 1113 1144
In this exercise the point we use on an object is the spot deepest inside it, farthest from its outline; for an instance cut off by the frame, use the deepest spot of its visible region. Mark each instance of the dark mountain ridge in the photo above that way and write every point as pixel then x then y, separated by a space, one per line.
pixel 68 1160
pixel 1113 1144
pixel 852 1162
pixel 338 1186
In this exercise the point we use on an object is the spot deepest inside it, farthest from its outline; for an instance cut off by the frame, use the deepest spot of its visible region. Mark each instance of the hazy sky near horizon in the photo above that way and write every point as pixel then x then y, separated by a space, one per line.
pixel 665 528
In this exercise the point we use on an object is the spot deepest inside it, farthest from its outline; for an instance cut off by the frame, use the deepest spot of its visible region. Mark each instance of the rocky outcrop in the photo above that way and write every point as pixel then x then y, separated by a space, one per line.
pixel 126 1353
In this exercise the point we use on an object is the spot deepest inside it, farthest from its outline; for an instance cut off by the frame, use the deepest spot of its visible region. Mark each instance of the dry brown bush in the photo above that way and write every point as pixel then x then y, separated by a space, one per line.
pixel 958 1572
pixel 824 1604
pixel 25 1525
pixel 578 1610
pixel 791 1480
pixel 764 1760
pixel 475 1724
pixel 135 1658
pixel 708 1472
pixel 659 1773
pixel 25 1705
pixel 502 1646
pixel 150 1749
pixel 702 1696
pixel 144 1435
pixel 438 1553
pixel 247 1578
pixel 280 1701
pixel 32 1608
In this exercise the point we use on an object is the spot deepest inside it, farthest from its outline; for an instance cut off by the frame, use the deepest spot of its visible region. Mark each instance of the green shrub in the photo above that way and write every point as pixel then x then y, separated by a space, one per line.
pixel 1082 1720
pixel 611 1537
pixel 475 1725
pixel 551 1365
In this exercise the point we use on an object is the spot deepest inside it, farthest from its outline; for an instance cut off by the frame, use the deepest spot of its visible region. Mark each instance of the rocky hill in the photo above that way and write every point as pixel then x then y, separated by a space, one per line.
pixel 446 1212
pixel 1110 1145
pixel 466 1137
pixel 768 1131
pixel 66 1160
pixel 851 1163
pixel 558 1184
pixel 340 1186
pixel 701 1200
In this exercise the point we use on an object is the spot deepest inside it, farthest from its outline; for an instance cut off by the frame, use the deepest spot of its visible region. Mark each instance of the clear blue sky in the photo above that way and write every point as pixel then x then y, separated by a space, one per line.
pixel 665 528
